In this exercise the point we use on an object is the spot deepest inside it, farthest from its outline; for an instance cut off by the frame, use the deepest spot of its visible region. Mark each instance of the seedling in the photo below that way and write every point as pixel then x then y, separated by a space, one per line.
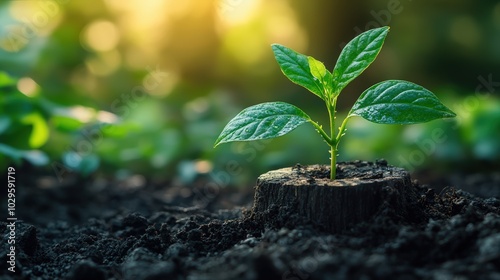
pixel 388 102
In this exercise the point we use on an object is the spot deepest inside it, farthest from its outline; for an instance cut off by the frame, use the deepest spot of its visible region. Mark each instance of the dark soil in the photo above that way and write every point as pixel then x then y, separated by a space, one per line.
pixel 146 230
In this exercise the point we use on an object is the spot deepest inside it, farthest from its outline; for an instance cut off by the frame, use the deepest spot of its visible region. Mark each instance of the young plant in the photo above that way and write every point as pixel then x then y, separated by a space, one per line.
pixel 388 102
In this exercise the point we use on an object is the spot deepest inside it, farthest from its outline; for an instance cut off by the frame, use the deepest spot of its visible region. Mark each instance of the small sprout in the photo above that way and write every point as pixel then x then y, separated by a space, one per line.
pixel 388 102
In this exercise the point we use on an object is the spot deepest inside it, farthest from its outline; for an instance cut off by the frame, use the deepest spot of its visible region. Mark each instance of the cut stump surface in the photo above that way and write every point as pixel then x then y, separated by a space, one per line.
pixel 360 190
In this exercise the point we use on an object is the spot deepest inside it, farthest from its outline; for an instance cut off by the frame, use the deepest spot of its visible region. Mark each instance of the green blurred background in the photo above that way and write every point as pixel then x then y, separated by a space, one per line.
pixel 117 88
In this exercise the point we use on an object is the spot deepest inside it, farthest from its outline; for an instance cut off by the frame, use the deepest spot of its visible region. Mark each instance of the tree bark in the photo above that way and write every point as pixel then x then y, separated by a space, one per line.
pixel 359 191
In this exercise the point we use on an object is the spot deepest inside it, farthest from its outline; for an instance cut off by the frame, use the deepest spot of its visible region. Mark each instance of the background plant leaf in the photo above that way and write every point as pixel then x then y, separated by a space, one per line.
pixel 6 80
pixel 357 55
pixel 263 121
pixel 399 102
pixel 35 157
pixel 85 164
pixel 5 122
pixel 295 66
pixel 40 133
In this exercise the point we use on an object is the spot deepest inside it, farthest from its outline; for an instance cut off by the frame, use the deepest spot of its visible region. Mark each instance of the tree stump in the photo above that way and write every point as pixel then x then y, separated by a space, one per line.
pixel 359 191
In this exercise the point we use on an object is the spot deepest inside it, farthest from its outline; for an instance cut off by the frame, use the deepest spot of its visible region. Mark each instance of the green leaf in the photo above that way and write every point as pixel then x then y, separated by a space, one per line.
pixel 357 55
pixel 317 68
pixel 35 157
pixel 5 123
pixel 328 81
pixel 399 102
pixel 89 164
pixel 6 80
pixel 11 152
pixel 40 132
pixel 120 129
pixel 66 124
pixel 295 66
pixel 263 121
pixel 85 164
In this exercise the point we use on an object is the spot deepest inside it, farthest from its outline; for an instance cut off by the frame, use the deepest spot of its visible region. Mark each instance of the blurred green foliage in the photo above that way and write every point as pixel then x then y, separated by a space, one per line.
pixel 26 125
pixel 23 125
pixel 125 87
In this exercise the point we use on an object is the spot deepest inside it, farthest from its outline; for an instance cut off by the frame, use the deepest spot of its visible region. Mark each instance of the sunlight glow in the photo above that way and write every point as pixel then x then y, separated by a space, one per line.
pixel 83 114
pixel 37 18
pixel 106 117
pixel 27 87
pixel 143 23
pixel 203 166
pixel 247 39
pixel 234 12
pixel 160 87
pixel 101 36
pixel 286 31
pixel 104 63
pixel 24 21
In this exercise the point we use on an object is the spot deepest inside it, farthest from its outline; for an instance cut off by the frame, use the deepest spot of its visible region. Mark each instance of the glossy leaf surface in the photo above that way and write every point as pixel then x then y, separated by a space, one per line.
pixel 399 102
pixel 295 67
pixel 357 55
pixel 263 121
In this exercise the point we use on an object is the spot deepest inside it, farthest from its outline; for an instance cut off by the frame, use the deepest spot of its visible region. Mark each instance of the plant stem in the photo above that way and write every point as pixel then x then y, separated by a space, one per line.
pixel 321 132
pixel 333 163
pixel 333 144
pixel 342 130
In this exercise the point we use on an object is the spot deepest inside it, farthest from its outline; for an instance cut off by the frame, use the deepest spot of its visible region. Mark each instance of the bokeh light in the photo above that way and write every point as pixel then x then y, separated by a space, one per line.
pixel 27 86
pixel 101 36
